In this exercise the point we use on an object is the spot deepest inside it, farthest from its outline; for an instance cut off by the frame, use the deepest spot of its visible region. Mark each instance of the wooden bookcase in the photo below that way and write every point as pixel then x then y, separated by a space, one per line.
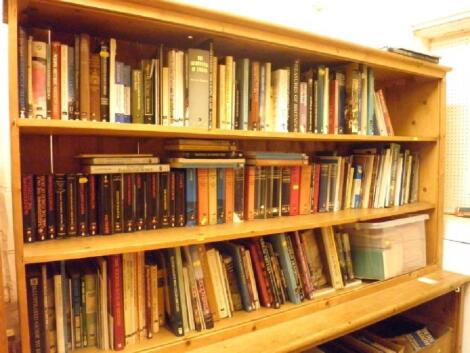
pixel 415 92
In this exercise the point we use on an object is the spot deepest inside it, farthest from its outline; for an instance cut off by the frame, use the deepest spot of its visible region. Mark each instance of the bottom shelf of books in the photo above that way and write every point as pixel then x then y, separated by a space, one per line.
pixel 307 286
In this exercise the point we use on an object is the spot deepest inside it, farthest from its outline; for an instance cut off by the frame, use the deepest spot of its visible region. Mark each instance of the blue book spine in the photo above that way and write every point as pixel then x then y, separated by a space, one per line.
pixel 220 196
pixel 76 308
pixel 191 192
pixel 71 78
pixel 357 185
pixel 126 81
pixel 341 102
pixel 279 243
pixel 370 102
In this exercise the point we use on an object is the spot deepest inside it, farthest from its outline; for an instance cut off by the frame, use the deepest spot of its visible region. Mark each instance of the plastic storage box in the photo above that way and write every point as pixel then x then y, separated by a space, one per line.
pixel 390 248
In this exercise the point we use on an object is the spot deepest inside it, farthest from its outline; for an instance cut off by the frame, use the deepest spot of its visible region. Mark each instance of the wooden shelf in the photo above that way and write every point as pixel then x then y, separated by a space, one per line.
pixel 293 327
pixel 73 127
pixel 83 247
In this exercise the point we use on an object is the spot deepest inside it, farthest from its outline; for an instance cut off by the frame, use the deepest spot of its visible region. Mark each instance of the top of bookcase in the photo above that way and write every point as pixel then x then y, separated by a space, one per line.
pixel 171 23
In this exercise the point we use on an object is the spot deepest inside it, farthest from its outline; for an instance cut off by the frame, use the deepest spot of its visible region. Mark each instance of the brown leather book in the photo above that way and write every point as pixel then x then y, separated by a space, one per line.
pixel 253 118
pixel 203 196
pixel 95 104
pixel 55 72
pixel 250 193
pixel 305 189
pixel 84 77
pixel 229 194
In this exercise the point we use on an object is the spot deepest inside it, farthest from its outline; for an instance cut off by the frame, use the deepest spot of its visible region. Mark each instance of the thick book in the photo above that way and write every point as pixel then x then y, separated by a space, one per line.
pixel 82 205
pixel 104 81
pixel 36 313
pixel 212 195
pixel 22 72
pixel 92 204
pixel 104 204
pixel 229 196
pixel 125 168
pixel 95 103
pixel 139 201
pixel 152 210
pixel 253 120
pixel 128 192
pixel 262 280
pixel 285 191
pixel 41 206
pixel 243 79
pixel 198 87
pixel 249 205
pixel 331 254
pixel 117 209
pixel 39 60
pixel 148 72
pixel 191 197
pixel 55 80
pixel 293 122
pixel 174 295
pixel 137 109
pixel 217 311
pixel 180 202
pixel 202 196
pixel 165 199
pixel 71 206
pixel 60 190
pixel 294 191
pixel 305 196
pixel 85 77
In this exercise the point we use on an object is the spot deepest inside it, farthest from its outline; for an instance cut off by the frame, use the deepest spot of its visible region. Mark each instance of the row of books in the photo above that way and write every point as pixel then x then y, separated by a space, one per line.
pixel 111 302
pixel 81 78
pixel 395 335
pixel 205 191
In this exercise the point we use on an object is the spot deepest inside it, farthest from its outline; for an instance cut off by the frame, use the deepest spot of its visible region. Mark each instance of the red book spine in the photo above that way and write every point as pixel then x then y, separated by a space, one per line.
pixel 41 207
pixel 266 297
pixel 316 187
pixel 307 284
pixel 229 194
pixel 250 193
pixel 294 191
pixel 117 302
pixel 203 196
pixel 55 91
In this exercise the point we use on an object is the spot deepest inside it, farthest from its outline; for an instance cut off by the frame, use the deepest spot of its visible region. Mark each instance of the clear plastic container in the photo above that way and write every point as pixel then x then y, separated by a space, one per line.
pixel 390 248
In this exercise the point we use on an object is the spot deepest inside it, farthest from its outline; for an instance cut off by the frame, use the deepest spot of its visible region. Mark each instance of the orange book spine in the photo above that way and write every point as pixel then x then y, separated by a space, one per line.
pixel 305 189
pixel 212 196
pixel 229 194
pixel 95 104
pixel 55 73
pixel 203 196
pixel 250 193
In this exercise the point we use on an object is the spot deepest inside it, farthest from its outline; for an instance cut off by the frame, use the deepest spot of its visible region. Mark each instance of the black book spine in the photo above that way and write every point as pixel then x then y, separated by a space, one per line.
pixel 323 194
pixel 116 192
pixel 29 208
pixel 105 205
pixel 152 197
pixel 41 207
pixel 176 318
pixel 148 94
pixel 293 121
pixel 104 81
pixel 92 210
pixel 82 204
pixel 239 196
pixel 180 199
pixel 71 209
pixel 269 192
pixel 128 203
pixel 50 195
pixel 172 193
pixel 60 189
pixel 139 203
pixel 285 191
pixel 165 199
pixel 36 311
pixel 276 192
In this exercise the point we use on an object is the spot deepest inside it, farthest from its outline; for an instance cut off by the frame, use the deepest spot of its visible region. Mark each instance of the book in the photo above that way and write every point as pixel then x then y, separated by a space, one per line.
pixel 198 87
pixel 84 77
pixel 125 168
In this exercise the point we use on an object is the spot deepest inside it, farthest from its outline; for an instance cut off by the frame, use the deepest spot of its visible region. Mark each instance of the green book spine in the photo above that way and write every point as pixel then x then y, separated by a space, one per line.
pixel 136 97
pixel 148 94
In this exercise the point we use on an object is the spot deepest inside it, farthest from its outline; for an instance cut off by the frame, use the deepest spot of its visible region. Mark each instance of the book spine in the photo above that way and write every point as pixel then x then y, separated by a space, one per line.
pixel 22 72
pixel 276 191
pixel 257 193
pixel 304 271
pixel 269 192
pixel 105 205
pixel 285 191
pixel 115 277
pixel 76 78
pixel 176 320
pixel 261 278
pixel 323 192
pixel 172 193
pixel 92 205
pixel 341 256
pixel 55 80
pixel 71 208
pixel 316 187
pixel 220 195
pixel 294 98
pixel 116 197
pixel 82 205
pixel 212 194
pixel 180 198
pixel 249 193
pixel 305 197
pixel 139 201
pixel 294 191
pixel 148 93
pixel 137 98
pixel 36 311
pixel 95 77
pixel 165 199
pixel 276 299
pixel 229 201
pixel 253 122
pixel 64 83
pixel 239 195
pixel 332 112
pixel 71 82
pixel 50 207
pixel 49 76
pixel 202 196
pixel 262 101
pixel 76 284
pixel 199 85
pixel 60 192
pixel 303 107
pixel 148 301
pixel 152 185
pixel 41 207
pixel 295 268
pixel 84 77
pixel 104 81
pixel 126 86
pixel 128 193
pixel 191 197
